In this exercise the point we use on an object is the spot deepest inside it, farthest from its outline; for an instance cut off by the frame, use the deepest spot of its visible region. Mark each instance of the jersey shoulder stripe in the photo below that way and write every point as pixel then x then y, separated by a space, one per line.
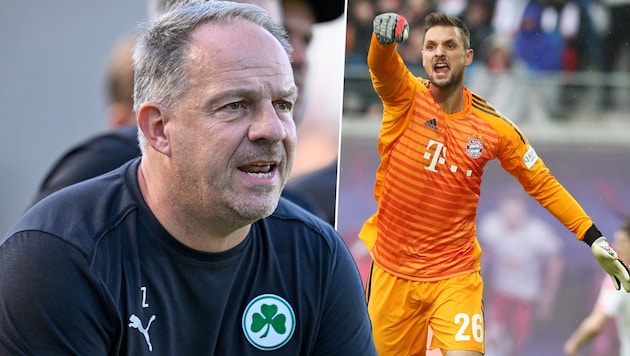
pixel 482 105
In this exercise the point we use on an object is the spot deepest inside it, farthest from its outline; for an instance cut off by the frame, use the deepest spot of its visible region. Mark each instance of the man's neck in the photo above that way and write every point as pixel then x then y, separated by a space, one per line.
pixel 450 100
pixel 206 235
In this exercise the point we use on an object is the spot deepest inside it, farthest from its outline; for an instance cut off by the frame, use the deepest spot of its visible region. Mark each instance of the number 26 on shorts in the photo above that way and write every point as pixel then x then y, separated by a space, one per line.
pixel 469 327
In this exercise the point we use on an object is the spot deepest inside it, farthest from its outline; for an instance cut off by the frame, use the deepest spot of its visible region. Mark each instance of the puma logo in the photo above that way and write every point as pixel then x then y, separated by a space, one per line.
pixel 135 322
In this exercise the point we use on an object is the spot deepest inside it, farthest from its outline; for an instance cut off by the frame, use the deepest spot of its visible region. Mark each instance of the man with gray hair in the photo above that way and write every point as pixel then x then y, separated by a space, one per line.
pixel 189 249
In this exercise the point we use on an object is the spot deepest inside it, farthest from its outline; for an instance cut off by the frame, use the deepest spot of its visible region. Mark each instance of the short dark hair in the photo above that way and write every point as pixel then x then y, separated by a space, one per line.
pixel 440 19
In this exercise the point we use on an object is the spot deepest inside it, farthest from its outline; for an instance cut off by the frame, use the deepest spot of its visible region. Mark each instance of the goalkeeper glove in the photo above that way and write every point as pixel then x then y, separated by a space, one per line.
pixel 390 27
pixel 611 263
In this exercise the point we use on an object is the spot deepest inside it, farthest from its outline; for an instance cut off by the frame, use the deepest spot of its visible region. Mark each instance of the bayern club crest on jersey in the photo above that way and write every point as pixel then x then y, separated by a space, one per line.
pixel 474 148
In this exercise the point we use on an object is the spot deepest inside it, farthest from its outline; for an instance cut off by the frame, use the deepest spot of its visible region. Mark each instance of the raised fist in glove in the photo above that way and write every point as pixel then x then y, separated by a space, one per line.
pixel 390 27
pixel 610 262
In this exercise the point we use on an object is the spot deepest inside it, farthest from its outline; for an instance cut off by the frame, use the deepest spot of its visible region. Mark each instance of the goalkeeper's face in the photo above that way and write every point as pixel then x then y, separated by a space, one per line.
pixel 445 56
pixel 622 244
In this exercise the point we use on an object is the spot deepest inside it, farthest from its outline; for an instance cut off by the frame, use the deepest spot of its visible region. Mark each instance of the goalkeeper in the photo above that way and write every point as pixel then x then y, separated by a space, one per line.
pixel 436 138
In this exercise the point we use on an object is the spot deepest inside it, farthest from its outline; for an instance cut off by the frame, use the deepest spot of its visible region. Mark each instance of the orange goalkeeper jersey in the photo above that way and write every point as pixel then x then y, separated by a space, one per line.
pixel 428 182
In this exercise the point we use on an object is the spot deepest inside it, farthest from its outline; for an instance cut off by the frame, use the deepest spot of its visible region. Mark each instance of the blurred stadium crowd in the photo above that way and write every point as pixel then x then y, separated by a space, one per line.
pixel 535 60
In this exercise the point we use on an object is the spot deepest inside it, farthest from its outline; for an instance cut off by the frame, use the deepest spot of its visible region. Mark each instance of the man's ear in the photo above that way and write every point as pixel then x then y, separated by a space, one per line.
pixel 152 120
pixel 469 56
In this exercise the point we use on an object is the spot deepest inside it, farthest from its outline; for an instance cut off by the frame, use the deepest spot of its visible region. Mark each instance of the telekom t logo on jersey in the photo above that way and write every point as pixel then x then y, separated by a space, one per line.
pixel 436 155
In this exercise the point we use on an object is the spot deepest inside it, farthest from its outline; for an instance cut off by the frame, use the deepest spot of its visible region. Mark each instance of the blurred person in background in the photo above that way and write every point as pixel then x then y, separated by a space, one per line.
pixel 540 49
pixel 388 5
pixel 360 15
pixel 478 18
pixel 119 83
pixel 416 10
pixel 611 305
pixel 502 80
pixel 570 20
pixel 507 16
pixel 522 257
pixel 616 43
pixel 452 7
pixel 358 30
pixel 315 190
pixel 112 148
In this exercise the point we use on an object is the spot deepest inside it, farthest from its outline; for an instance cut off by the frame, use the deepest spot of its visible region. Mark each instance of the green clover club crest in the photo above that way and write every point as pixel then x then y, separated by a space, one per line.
pixel 269 318
pixel 268 322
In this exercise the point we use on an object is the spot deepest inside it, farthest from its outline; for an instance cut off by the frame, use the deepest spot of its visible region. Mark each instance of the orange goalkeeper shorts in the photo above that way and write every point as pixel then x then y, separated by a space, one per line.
pixel 402 311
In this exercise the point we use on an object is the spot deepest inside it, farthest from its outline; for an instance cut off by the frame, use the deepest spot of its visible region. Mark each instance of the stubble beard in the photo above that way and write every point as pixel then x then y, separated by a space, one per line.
pixel 450 83
pixel 262 204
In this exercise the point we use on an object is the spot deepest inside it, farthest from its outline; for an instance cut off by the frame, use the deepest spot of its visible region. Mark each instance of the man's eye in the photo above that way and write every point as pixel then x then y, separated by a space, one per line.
pixel 234 106
pixel 284 106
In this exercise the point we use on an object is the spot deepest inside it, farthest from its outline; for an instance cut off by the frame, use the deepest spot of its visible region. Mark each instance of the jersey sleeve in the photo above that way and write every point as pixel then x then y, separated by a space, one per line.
pixel 394 84
pixel 345 324
pixel 49 303
pixel 518 157
pixel 387 70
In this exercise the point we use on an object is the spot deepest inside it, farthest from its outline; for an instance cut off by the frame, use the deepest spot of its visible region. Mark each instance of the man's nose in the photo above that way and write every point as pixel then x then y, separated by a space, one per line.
pixel 267 125
pixel 439 51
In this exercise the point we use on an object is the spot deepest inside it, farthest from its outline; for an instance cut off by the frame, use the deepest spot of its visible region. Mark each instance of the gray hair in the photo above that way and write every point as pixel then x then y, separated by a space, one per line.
pixel 160 54
pixel 159 7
